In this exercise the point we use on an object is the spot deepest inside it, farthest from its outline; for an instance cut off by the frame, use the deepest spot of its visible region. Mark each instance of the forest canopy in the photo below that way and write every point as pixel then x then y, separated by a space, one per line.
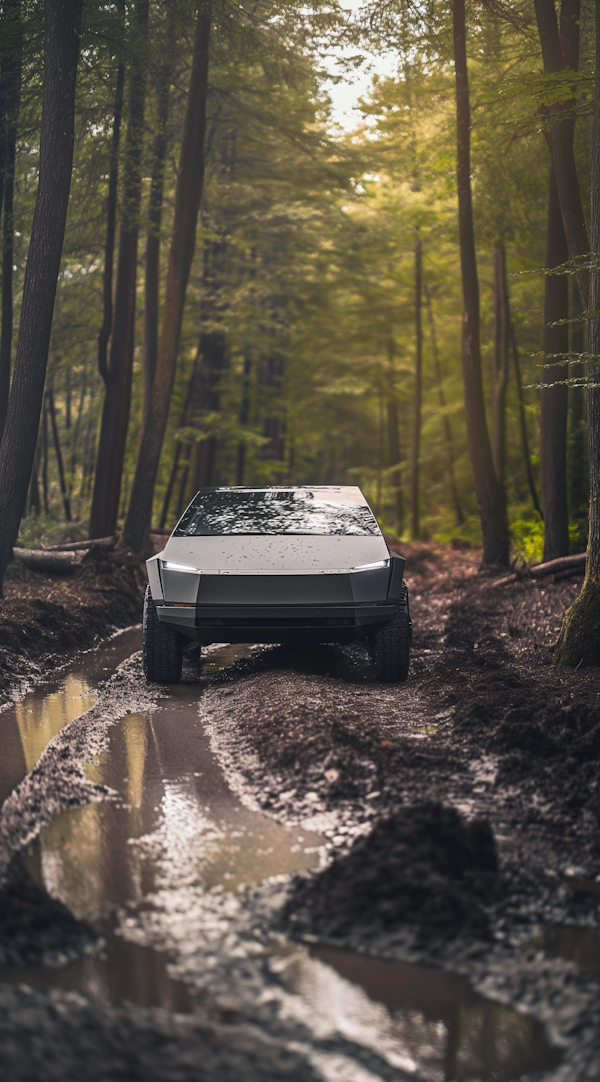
pixel 251 294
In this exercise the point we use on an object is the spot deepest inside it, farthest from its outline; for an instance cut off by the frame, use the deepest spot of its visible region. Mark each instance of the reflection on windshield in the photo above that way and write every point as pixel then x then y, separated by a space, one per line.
pixel 273 511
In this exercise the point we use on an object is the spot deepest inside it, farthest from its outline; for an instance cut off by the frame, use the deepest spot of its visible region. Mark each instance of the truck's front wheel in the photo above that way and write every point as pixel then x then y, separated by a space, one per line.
pixel 161 647
pixel 390 647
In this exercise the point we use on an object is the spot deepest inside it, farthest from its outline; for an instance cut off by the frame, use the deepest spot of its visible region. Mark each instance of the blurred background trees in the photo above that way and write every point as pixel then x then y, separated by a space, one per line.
pixel 316 247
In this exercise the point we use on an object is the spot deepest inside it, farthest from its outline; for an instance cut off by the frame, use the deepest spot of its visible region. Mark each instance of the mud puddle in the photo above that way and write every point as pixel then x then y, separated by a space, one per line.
pixel 579 945
pixel 122 972
pixel 176 834
pixel 27 726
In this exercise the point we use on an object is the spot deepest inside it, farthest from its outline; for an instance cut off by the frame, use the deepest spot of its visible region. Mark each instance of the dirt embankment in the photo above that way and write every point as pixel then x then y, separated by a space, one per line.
pixel 45 619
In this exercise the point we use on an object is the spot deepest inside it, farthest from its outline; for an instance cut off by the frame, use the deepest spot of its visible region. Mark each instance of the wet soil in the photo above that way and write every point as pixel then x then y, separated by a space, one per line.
pixel 423 866
pixel 457 879
pixel 45 619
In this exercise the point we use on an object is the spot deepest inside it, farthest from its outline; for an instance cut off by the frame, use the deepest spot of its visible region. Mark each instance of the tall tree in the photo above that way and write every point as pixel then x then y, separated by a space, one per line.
pixel 117 398
pixel 554 398
pixel 448 439
pixel 151 283
pixel 500 367
pixel 190 181
pixel 11 61
pixel 558 54
pixel 62 24
pixel 491 508
pixel 579 640
pixel 415 525
pixel 111 222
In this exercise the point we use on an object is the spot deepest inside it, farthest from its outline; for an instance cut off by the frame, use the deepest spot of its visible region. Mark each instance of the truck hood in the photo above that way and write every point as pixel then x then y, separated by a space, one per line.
pixel 255 554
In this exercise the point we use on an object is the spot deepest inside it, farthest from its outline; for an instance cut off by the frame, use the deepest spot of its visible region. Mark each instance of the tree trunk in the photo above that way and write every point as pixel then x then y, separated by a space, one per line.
pixel 559 52
pixel 136 531
pixel 491 510
pixel 577 459
pixel 579 640
pixel 34 488
pixel 45 456
pixel 523 424
pixel 184 421
pixel 61 50
pixel 12 61
pixel 554 399
pixel 117 400
pixel 500 367
pixel 415 526
pixel 394 441
pixel 59 457
pixel 151 285
pixel 458 511
pixel 111 218
pixel 205 399
pixel 243 418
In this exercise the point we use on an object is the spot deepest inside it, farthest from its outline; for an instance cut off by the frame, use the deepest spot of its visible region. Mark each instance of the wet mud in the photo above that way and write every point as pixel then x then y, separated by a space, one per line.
pixel 256 845
pixel 46 619
pixel 425 866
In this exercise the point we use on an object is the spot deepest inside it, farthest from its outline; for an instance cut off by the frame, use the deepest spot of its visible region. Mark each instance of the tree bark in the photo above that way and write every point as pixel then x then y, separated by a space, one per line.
pixel 449 441
pixel 190 182
pixel 577 459
pixel 415 525
pixel 12 62
pixel 34 488
pixel 61 51
pixel 58 452
pixel 394 440
pixel 117 400
pixel 579 640
pixel 176 457
pixel 45 456
pixel 205 399
pixel 500 367
pixel 111 219
pixel 523 424
pixel 554 399
pixel 243 418
pixel 151 284
pixel 493 519
pixel 561 51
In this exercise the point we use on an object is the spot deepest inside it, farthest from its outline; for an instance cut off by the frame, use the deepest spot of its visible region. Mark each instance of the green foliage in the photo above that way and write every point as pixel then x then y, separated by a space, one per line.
pixel 527 537
pixel 304 262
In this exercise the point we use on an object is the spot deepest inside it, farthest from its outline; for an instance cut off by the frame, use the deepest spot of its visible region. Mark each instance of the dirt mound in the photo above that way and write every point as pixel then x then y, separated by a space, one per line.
pixel 34 927
pixel 423 866
pixel 44 618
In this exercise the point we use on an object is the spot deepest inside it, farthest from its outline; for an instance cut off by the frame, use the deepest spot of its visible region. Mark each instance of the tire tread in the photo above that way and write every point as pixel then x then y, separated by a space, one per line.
pixel 161 647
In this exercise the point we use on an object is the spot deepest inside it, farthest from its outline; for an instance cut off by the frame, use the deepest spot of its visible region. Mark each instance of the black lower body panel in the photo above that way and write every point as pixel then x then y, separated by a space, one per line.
pixel 276 623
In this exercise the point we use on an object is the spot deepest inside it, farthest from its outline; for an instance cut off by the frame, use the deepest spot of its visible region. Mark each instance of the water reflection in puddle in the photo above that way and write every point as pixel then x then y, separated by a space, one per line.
pixel 28 725
pixel 122 973
pixel 579 945
pixel 420 1019
pixel 175 826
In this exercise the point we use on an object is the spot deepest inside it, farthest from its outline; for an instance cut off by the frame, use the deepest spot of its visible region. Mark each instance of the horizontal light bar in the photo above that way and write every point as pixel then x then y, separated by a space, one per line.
pixel 168 566
pixel 372 567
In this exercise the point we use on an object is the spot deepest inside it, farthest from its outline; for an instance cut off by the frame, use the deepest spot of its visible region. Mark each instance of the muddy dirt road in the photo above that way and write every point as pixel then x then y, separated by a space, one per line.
pixel 281 869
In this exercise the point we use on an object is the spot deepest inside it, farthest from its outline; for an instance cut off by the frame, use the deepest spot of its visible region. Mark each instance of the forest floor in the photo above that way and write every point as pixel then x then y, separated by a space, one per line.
pixel 45 619
pixel 456 818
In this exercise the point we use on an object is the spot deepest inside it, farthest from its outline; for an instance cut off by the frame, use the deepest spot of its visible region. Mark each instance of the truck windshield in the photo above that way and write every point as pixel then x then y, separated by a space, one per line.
pixel 224 511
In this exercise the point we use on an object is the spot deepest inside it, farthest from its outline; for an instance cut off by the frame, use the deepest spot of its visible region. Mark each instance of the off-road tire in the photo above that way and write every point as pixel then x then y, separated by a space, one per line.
pixel 161 647
pixel 390 646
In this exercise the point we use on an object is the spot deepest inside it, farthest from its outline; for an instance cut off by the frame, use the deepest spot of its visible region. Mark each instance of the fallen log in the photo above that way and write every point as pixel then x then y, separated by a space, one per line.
pixel 570 564
pixel 63 563
pixel 74 546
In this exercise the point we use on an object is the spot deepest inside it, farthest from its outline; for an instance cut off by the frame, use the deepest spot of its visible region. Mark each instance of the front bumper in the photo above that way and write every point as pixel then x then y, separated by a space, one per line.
pixel 276 623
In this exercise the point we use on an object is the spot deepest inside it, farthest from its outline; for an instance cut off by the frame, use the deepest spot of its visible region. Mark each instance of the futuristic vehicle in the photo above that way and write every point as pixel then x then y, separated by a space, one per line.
pixel 276 565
